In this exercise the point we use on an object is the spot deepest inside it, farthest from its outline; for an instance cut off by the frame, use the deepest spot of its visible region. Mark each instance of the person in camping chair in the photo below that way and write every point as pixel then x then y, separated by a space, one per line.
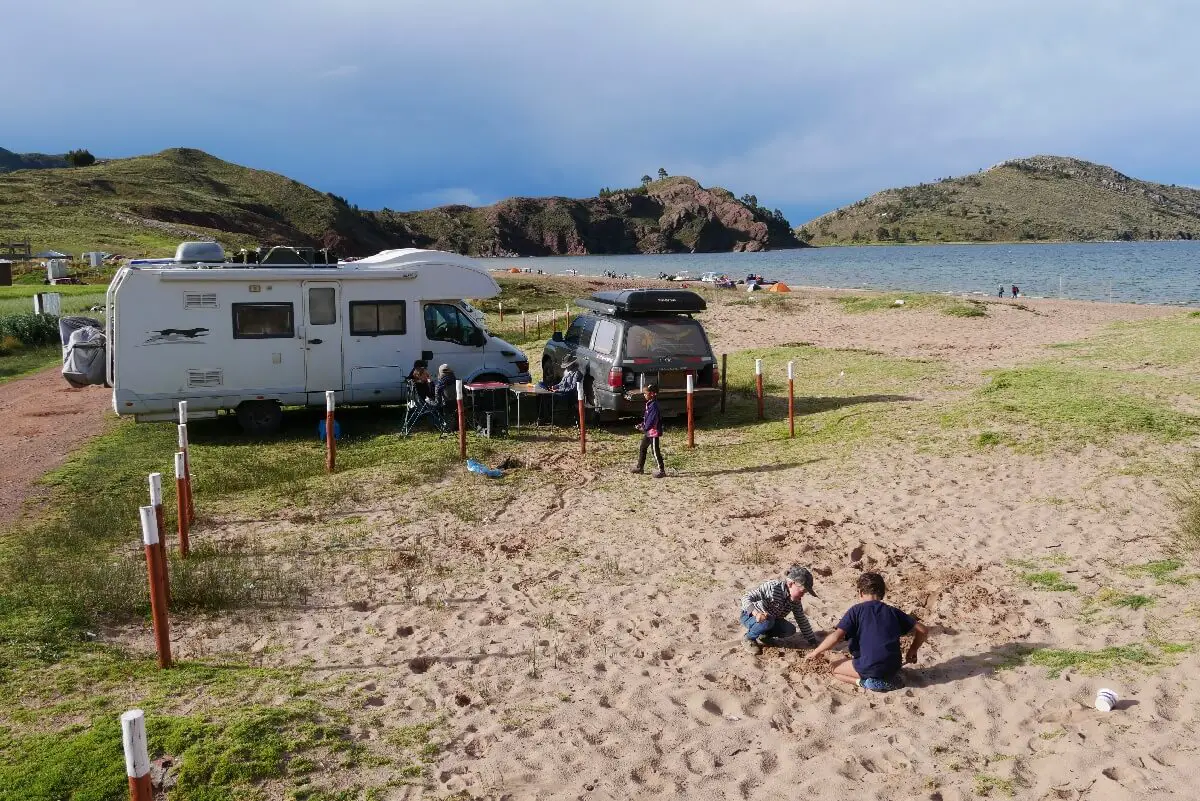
pixel 564 392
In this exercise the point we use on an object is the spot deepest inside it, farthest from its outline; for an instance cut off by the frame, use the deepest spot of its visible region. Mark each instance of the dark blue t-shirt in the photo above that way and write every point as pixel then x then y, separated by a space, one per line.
pixel 874 630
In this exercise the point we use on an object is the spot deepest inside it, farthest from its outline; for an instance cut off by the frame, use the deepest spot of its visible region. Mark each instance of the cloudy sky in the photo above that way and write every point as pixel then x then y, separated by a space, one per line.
pixel 808 105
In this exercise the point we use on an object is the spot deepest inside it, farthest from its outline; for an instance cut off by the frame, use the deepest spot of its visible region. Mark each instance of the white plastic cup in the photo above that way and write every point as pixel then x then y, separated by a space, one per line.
pixel 1106 699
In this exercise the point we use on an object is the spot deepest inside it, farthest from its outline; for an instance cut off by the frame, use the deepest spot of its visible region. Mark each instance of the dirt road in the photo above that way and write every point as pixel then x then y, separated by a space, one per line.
pixel 44 421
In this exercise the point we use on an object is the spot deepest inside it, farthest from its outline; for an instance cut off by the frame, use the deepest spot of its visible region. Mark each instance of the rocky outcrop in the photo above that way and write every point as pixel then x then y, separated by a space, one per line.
pixel 673 215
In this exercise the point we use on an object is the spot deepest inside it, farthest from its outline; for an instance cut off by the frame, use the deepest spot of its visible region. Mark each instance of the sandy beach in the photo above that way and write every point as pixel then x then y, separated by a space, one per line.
pixel 570 632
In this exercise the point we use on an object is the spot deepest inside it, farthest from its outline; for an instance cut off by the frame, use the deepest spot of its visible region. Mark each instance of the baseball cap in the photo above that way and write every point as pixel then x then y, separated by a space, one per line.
pixel 803 577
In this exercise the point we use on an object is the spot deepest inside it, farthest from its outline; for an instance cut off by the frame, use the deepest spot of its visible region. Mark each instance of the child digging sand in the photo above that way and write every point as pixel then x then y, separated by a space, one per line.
pixel 874 630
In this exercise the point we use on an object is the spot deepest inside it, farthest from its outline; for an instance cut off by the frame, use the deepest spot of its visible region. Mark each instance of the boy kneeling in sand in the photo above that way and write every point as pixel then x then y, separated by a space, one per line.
pixel 766 607
pixel 874 630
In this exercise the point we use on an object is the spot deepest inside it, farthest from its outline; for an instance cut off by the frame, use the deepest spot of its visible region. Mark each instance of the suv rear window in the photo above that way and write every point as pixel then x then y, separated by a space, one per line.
pixel 666 337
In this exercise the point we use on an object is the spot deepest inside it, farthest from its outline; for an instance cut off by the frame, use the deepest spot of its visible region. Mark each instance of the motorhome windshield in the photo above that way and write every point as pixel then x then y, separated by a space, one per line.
pixel 664 337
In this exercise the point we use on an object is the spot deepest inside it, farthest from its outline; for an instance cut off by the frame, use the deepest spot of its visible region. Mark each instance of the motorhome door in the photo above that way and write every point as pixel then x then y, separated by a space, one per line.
pixel 322 338
pixel 453 338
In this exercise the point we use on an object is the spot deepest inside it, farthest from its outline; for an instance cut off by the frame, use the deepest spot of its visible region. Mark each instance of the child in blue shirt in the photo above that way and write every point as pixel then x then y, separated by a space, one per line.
pixel 651 428
pixel 874 630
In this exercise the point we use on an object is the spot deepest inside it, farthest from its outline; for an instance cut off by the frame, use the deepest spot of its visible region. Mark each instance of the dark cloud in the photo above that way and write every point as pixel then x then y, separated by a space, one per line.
pixel 805 104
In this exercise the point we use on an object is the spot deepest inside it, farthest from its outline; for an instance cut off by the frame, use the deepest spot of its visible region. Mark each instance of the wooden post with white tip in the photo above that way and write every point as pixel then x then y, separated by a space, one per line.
pixel 758 385
pixel 791 401
pixel 187 460
pixel 582 418
pixel 158 597
pixel 181 503
pixel 462 420
pixel 691 410
pixel 330 439
pixel 137 755
pixel 160 524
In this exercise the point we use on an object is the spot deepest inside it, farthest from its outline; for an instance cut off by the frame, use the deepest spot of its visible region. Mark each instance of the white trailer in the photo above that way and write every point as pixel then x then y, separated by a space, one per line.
pixel 254 338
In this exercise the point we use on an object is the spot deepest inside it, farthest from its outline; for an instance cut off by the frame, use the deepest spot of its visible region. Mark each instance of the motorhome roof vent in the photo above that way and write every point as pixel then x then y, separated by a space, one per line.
pixel 200 300
pixel 204 378
pixel 192 252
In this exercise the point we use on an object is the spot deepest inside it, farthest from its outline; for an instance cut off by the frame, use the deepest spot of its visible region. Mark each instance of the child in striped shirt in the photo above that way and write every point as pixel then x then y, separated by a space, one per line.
pixel 766 607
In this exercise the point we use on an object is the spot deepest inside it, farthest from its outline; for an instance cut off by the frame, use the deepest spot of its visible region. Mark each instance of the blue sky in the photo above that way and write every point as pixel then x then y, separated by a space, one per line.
pixel 808 105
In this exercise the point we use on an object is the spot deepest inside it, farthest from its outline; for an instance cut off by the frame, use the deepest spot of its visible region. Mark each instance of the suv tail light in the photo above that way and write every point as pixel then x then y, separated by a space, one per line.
pixel 616 378
pixel 716 376
pixel 522 367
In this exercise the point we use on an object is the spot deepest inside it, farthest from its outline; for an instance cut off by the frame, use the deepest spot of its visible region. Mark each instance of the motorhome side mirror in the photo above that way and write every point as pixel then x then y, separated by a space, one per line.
pixel 480 338
pixel 557 336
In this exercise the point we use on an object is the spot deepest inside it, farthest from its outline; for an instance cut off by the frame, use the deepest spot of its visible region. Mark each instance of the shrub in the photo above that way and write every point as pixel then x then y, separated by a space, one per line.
pixel 30 329
pixel 80 158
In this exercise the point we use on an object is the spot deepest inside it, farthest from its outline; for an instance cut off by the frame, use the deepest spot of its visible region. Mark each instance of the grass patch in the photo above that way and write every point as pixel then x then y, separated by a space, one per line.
pixel 986 784
pixel 1113 597
pixel 1187 501
pixel 1056 660
pixel 1050 403
pixel 965 310
pixel 1163 571
pixel 1048 580
pixel 19 361
pixel 861 304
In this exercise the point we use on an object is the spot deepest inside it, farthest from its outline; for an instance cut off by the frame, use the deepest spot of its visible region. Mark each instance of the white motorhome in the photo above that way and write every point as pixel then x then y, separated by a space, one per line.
pixel 252 338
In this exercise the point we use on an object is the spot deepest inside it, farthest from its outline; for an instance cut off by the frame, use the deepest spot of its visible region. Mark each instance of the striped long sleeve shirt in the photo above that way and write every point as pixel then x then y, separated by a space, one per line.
pixel 773 598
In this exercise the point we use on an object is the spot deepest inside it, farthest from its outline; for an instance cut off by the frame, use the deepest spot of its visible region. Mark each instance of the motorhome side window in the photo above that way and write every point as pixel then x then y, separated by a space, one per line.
pixel 377 318
pixel 447 323
pixel 263 321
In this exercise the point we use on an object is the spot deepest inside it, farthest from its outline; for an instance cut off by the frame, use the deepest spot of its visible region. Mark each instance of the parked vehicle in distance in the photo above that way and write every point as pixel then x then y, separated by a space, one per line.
pixel 254 337
pixel 625 339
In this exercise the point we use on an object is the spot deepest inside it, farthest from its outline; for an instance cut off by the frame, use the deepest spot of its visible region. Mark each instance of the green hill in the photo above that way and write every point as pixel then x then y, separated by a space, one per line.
pixel 148 204
pixel 10 161
pixel 1042 198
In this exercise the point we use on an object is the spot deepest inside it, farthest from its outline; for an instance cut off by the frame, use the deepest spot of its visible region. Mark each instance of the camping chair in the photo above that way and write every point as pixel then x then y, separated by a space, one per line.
pixel 420 408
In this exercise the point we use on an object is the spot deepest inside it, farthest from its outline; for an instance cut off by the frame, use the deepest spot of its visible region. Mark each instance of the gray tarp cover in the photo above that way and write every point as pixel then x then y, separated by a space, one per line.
pixel 83 350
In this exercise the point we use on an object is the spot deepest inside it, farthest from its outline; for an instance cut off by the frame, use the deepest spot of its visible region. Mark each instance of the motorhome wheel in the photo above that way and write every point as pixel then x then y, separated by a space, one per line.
pixel 259 418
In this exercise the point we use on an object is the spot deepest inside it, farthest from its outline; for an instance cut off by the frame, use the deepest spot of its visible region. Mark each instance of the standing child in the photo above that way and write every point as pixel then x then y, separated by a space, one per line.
pixel 651 428
pixel 874 630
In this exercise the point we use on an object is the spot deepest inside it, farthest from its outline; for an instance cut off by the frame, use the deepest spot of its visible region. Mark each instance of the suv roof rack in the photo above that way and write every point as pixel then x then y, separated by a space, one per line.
pixel 634 302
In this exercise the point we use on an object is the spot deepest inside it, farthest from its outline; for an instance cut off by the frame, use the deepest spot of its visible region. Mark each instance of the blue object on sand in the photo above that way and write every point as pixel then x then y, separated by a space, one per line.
pixel 481 469
pixel 337 430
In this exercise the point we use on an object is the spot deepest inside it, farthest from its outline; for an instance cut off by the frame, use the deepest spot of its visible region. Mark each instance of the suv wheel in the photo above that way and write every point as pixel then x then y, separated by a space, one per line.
pixel 547 371
pixel 259 418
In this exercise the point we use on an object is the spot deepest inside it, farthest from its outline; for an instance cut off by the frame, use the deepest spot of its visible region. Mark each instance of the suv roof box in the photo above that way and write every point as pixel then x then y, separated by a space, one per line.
pixel 628 302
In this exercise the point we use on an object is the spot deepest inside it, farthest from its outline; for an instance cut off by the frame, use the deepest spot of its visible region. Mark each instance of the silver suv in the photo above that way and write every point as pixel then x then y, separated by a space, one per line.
pixel 628 338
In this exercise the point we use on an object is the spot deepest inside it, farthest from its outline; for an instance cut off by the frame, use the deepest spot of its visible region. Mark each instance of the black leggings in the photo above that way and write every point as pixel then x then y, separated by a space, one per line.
pixel 647 442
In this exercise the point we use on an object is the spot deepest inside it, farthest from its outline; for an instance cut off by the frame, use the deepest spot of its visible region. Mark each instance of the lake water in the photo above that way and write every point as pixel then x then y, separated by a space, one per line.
pixel 1131 272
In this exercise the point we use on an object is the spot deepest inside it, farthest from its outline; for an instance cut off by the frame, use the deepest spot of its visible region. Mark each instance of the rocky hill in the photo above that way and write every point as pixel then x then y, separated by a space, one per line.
pixel 1042 198
pixel 146 205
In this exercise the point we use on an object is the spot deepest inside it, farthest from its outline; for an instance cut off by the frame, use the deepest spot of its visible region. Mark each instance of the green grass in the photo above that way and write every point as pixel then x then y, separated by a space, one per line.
pixel 860 304
pixel 23 361
pixel 1187 501
pixel 1163 571
pixel 1049 580
pixel 1170 344
pixel 1113 597
pixel 1105 660
pixel 966 310
pixel 1047 404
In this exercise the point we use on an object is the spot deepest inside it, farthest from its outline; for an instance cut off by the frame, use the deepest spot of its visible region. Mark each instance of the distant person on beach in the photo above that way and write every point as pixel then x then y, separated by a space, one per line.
pixel 1001 294
pixel 873 629
pixel 651 428
pixel 766 607
pixel 1016 290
